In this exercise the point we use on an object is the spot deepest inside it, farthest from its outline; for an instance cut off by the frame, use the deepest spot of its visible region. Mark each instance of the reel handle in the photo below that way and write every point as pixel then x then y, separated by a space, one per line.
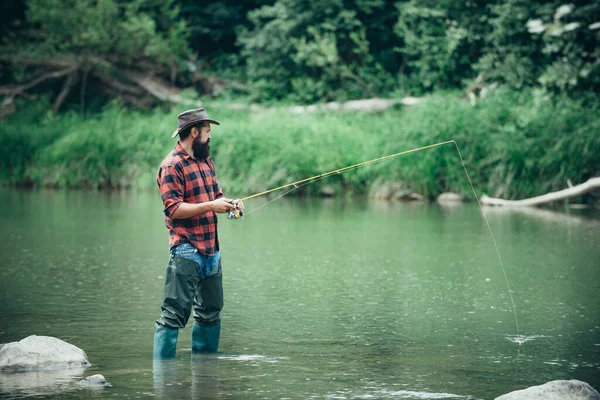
pixel 235 214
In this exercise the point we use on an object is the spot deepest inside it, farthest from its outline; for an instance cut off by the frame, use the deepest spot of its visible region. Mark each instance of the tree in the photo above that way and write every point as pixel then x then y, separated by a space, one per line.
pixel 547 43
pixel 441 40
pixel 134 50
pixel 312 51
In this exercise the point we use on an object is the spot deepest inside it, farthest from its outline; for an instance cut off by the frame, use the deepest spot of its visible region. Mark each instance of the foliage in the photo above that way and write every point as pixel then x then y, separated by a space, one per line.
pixel 440 41
pixel 321 51
pixel 309 52
pixel 550 43
pixel 511 56
pixel 122 31
pixel 214 25
pixel 305 51
pixel 569 41
pixel 514 145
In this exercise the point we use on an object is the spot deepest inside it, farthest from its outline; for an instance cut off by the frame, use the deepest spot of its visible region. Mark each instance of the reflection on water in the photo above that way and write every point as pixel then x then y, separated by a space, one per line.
pixel 40 383
pixel 323 299
pixel 198 376
pixel 590 217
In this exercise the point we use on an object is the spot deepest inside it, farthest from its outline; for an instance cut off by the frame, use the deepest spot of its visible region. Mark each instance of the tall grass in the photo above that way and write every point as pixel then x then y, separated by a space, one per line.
pixel 515 145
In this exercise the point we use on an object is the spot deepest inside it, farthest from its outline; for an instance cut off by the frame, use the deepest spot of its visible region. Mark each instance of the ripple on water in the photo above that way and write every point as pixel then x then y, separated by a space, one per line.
pixel 523 338
pixel 252 357
pixel 400 394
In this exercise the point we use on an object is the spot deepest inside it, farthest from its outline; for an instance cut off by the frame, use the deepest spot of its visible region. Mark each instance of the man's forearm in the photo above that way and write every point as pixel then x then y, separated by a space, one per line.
pixel 188 210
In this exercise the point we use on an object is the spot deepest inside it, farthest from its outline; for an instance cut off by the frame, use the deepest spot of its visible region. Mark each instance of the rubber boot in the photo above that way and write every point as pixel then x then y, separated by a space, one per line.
pixel 165 342
pixel 205 338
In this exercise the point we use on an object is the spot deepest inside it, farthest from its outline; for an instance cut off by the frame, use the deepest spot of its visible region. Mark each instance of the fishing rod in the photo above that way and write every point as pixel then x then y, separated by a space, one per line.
pixel 237 214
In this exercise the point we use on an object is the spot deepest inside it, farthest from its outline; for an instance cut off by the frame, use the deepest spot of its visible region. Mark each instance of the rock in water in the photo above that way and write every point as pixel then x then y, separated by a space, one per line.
pixel 40 352
pixel 555 390
pixel 449 197
pixel 95 380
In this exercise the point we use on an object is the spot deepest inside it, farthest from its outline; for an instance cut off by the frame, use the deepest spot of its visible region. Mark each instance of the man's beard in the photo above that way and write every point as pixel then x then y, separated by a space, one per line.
pixel 201 150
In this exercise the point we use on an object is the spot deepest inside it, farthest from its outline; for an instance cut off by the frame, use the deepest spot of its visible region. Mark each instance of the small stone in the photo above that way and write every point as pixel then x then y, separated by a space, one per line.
pixel 328 191
pixel 95 380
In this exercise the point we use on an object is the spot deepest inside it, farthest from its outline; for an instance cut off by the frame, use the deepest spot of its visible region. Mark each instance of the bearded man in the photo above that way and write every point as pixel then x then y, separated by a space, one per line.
pixel 191 197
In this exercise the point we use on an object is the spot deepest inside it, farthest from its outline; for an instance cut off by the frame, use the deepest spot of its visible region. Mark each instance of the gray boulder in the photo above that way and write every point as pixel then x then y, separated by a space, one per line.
pixel 95 381
pixel 40 352
pixel 555 390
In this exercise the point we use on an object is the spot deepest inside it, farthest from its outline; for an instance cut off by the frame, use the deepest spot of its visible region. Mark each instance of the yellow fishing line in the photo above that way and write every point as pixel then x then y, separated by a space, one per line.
pixel 302 182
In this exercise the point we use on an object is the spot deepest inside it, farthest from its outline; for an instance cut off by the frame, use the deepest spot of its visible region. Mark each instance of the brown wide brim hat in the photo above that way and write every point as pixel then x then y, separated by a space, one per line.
pixel 192 117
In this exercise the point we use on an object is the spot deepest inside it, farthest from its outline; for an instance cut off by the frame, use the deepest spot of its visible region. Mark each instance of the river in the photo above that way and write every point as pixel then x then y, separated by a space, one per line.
pixel 324 298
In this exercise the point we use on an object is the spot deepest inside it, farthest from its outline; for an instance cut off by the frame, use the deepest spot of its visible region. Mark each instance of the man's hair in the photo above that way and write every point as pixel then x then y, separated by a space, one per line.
pixel 187 131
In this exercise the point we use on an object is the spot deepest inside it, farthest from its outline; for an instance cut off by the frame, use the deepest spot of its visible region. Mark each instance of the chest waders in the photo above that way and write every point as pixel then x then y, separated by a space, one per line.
pixel 185 289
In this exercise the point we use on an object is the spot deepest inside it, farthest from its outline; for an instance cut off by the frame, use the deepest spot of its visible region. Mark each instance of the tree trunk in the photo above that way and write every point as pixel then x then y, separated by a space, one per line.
pixel 577 190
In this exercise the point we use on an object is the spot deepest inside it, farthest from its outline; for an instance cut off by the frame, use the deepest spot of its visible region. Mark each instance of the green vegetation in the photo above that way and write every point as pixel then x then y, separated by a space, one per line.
pixel 515 145
pixel 86 87
pixel 295 50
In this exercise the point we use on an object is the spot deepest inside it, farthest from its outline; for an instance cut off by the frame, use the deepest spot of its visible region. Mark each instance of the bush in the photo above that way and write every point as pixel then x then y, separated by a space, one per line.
pixel 514 145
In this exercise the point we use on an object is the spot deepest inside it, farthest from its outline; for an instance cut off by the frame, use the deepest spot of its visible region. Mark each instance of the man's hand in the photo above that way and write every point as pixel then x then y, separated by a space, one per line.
pixel 222 205
pixel 240 205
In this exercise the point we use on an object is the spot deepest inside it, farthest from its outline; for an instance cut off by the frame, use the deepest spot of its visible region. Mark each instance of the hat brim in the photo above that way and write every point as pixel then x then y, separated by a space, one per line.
pixel 212 121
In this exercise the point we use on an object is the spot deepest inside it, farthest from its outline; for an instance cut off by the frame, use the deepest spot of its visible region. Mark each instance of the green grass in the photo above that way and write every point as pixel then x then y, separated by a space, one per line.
pixel 514 146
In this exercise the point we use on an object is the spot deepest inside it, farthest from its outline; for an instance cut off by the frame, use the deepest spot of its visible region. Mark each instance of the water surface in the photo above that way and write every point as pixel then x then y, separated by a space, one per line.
pixel 323 298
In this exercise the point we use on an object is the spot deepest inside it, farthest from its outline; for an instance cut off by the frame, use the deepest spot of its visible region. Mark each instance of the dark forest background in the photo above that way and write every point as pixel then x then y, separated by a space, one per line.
pixel 295 50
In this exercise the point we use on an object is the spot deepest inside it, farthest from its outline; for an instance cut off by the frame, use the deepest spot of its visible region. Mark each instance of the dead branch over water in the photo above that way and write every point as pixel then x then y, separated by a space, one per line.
pixel 574 191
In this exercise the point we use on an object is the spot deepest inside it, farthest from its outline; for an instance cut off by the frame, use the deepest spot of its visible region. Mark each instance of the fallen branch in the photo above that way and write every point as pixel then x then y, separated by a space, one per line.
pixel 577 190
pixel 7 107
pixel 374 105
pixel 118 81
pixel 67 85
pixel 13 90
pixel 117 85
pixel 143 86
pixel 55 62
pixel 158 88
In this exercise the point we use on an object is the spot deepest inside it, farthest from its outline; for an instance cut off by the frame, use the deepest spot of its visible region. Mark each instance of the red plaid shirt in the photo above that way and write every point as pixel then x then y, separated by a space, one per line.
pixel 182 178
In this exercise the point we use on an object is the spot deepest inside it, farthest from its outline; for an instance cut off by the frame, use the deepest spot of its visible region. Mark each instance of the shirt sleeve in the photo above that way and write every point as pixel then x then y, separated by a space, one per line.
pixel 171 186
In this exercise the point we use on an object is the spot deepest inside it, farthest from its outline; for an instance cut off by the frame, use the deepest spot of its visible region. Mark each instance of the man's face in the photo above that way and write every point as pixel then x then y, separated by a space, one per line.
pixel 200 145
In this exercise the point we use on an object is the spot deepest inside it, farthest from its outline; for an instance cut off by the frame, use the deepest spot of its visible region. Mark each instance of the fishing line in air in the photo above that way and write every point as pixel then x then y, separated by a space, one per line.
pixel 298 184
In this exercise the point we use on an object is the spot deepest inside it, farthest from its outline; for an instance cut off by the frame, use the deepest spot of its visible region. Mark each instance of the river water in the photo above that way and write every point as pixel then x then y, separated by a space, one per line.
pixel 332 299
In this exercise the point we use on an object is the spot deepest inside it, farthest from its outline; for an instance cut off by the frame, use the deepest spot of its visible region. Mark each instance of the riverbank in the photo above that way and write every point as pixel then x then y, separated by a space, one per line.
pixel 514 146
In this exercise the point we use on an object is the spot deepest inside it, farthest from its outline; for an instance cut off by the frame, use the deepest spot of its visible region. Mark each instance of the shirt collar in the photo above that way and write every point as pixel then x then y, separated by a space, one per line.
pixel 181 151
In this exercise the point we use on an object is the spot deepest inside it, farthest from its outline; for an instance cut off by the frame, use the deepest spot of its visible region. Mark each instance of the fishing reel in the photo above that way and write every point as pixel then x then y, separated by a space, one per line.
pixel 235 214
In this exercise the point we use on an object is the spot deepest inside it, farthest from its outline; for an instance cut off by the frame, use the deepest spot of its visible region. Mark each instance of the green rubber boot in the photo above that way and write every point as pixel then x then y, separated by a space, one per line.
pixel 205 338
pixel 165 342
